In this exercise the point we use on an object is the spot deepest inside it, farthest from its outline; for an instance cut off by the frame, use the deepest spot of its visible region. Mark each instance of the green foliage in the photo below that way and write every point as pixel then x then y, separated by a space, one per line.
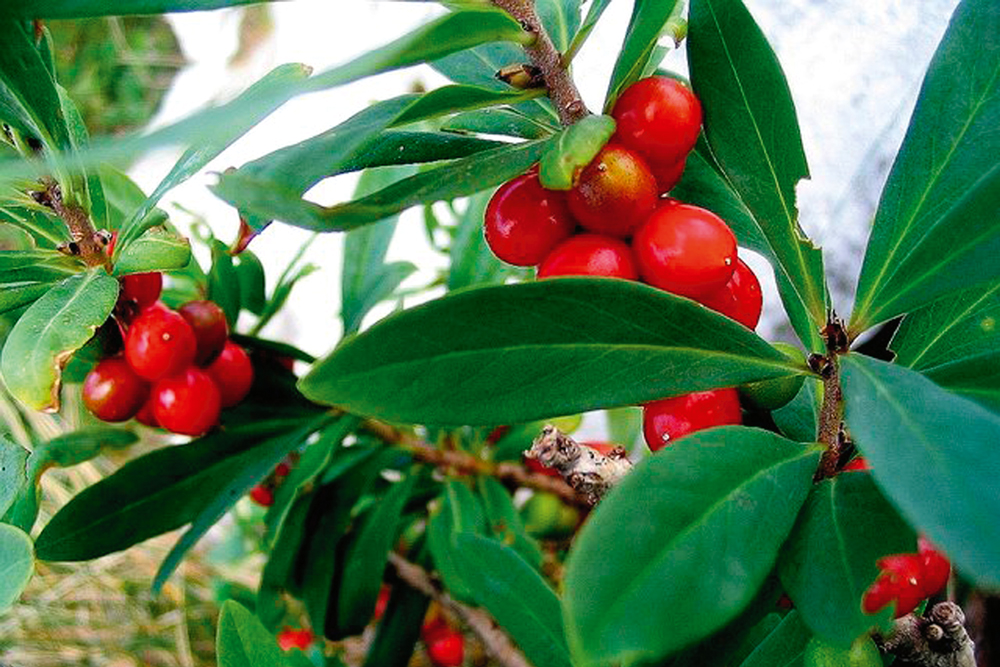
pixel 16 564
pixel 72 9
pixel 572 150
pixel 650 19
pixel 242 640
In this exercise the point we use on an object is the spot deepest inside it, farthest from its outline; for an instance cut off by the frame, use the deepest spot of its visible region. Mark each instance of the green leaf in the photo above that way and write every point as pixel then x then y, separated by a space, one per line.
pixel 624 425
pixel 649 17
pixel 91 189
pixel 50 331
pixel 399 630
pixel 561 19
pixel 829 560
pixel 753 134
pixel 514 353
pixel 498 120
pixel 594 13
pixel 516 595
pixel 75 9
pixel 367 557
pixel 224 283
pixel 242 640
pixel 253 284
pixel 472 261
pixel 150 495
pixel 13 472
pixel 459 512
pixel 14 238
pixel 572 150
pixel 955 342
pixel 936 229
pixel 784 647
pixel 278 570
pixel 691 533
pixel 16 564
pixel 76 447
pixel 934 454
pixel 366 279
pixel 505 523
pixel 158 249
pixel 799 419
pixel 455 179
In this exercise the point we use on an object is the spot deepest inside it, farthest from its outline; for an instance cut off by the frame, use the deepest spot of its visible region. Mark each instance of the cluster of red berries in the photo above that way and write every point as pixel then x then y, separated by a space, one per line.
pixel 178 369
pixel 617 222
pixel 445 645
pixel 263 493
pixel 906 579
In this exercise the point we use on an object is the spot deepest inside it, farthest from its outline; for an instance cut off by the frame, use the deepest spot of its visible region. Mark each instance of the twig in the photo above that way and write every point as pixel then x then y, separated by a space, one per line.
pixel 469 464
pixel 586 470
pixel 496 640
pixel 544 55
pixel 937 639
pixel 87 243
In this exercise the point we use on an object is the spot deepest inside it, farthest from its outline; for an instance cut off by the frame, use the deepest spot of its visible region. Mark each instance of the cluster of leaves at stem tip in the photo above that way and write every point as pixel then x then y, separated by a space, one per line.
pixel 700 538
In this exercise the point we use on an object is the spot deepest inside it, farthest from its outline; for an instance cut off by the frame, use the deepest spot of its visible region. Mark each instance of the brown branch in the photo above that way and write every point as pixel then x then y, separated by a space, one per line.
pixel 87 244
pixel 544 55
pixel 496 640
pixel 466 463
pixel 589 472
pixel 937 639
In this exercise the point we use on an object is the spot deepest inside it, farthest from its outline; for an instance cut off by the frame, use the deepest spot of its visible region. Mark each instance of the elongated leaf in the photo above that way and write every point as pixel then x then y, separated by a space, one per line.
pixel 456 179
pixel 365 562
pixel 150 495
pixel 75 9
pixel 648 20
pixel 253 284
pixel 935 456
pixel 561 19
pixel 242 640
pixel 281 560
pixel 572 150
pixel 936 229
pixel 594 13
pixel 399 630
pixel 829 561
pixel 13 472
pixel 784 647
pixel 74 448
pixel 753 135
pixel 498 120
pixel 516 595
pixel 50 331
pixel 459 512
pixel 691 533
pixel 157 250
pixel 955 342
pixel 515 353
pixel 16 564
pixel 799 419
pixel 92 189
pixel 223 283
pixel 505 523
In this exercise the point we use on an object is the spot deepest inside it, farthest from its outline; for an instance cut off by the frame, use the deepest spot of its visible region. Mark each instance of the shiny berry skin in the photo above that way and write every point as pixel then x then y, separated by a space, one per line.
pixel 145 415
pixel 666 420
pixel 936 568
pixel 187 403
pixel 590 255
pixel 159 343
pixel 659 117
pixel 142 288
pixel 740 298
pixel 208 322
pixel 667 175
pixel 262 495
pixel 232 372
pixel 447 650
pixel 899 582
pixel 858 463
pixel 435 625
pixel 524 221
pixel 615 193
pixel 290 638
pixel 685 250
pixel 113 392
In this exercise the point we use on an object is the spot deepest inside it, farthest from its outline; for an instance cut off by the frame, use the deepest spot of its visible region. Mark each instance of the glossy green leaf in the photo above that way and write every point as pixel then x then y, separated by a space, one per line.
pixel 366 559
pixel 594 13
pixel 281 560
pixel 18 295
pixel 829 560
pixel 936 229
pixel 124 197
pixel 150 495
pixel 253 284
pixel 753 135
pixel 366 278
pixel 224 283
pixel 14 238
pixel 955 341
pixel 684 541
pixel 76 447
pixel 472 261
pixel 934 454
pixel 244 472
pixel 455 179
pixel 504 521
pixel 399 629
pixel 16 564
pixel 624 425
pixel 498 120
pixel 158 249
pixel 242 641
pixel 515 353
pixel 649 17
pixel 799 419
pixel 50 331
pixel 784 647
pixel 516 595
pixel 561 19
pixel 75 9
pixel 572 150
pixel 13 472
pixel 91 190
pixel 459 512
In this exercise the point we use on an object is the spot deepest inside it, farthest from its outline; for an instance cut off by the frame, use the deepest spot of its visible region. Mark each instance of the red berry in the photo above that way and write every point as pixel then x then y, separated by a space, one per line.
pixel 667 175
pixel 381 603
pixel 262 495
pixel 615 193
pixel 113 392
pixel 899 582
pixel 208 322
pixel 290 638
pixel 590 255
pixel 159 343
pixel 740 298
pixel 936 568
pixel 187 403
pixel 659 117
pixel 604 448
pixel 447 650
pixel 857 463
pixel 534 465
pixel 671 418
pixel 142 288
pixel 146 415
pixel 524 221
pixel 232 372
pixel 686 250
